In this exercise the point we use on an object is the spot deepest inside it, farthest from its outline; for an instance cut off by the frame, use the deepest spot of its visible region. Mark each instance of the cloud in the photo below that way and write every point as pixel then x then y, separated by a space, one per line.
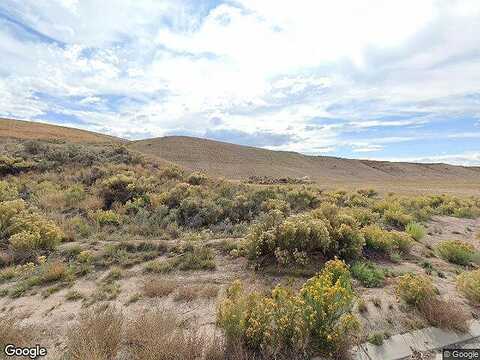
pixel 342 77
pixel 258 139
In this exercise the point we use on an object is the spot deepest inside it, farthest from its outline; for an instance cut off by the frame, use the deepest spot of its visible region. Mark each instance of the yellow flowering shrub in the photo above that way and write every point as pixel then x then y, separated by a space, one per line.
pixel 468 283
pixel 456 251
pixel 7 191
pixel 414 289
pixel 292 324
pixel 26 230
pixel 328 299
pixel 105 217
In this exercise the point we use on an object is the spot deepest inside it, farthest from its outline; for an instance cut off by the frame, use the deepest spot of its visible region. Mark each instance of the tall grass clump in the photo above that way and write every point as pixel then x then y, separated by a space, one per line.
pixel 415 230
pixel 97 335
pixel 157 334
pixel 468 283
pixel 368 274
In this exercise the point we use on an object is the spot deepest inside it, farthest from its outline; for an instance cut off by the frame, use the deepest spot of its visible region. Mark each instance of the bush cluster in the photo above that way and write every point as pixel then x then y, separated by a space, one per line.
pixel 419 292
pixel 414 289
pixel 26 230
pixel 387 242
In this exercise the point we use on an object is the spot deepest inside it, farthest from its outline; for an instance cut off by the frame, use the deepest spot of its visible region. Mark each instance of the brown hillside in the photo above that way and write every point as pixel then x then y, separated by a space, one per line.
pixel 19 129
pixel 240 162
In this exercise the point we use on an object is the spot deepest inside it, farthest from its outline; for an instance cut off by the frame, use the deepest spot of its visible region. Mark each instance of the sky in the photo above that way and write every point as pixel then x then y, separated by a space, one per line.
pixel 375 79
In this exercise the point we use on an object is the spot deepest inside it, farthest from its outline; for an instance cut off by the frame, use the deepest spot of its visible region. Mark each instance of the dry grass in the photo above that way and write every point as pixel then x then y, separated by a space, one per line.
pixel 97 336
pixel 153 335
pixel 187 293
pixel 157 334
pixel 53 271
pixel 444 314
pixel 12 332
pixel 158 287
pixel 192 292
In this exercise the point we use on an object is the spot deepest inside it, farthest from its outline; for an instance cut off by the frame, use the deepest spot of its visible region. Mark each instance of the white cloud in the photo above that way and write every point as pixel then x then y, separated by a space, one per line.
pixel 259 66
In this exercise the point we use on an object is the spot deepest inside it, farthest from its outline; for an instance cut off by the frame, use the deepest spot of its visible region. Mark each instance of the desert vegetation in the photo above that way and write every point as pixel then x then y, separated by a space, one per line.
pixel 98 224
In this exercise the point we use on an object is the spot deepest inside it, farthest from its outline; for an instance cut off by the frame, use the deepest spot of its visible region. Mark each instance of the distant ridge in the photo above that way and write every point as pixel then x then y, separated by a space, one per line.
pixel 21 129
pixel 240 162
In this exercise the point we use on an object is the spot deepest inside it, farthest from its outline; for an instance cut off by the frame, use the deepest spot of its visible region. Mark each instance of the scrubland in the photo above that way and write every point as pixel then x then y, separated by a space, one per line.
pixel 108 255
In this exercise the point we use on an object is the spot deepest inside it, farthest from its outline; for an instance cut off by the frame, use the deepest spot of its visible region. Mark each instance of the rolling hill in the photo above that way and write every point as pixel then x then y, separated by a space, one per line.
pixel 240 162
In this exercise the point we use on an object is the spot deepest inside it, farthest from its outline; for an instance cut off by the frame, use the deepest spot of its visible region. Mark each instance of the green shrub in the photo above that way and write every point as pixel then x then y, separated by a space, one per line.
pixel 120 188
pixel 368 274
pixel 14 165
pixel 195 258
pixel 8 191
pixel 376 338
pixel 197 178
pixel 273 235
pixel 377 239
pixel 348 241
pixel 302 198
pixel 74 195
pixel 414 289
pixel 468 283
pixel 387 242
pixel 363 216
pixel 401 241
pixel 105 217
pixel 415 230
pixel 81 226
pixel 288 324
pixel 275 204
pixel 456 251
pixel 397 216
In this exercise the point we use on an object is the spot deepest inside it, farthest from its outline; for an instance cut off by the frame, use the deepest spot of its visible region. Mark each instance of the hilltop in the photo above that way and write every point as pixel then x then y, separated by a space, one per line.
pixel 23 130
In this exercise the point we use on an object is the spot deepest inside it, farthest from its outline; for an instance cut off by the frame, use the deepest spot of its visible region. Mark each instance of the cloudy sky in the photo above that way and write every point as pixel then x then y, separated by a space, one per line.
pixel 378 79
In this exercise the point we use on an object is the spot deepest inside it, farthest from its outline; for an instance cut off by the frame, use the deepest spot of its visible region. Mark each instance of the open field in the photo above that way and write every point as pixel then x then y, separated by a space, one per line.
pixel 109 254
